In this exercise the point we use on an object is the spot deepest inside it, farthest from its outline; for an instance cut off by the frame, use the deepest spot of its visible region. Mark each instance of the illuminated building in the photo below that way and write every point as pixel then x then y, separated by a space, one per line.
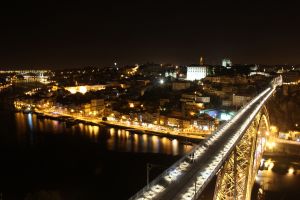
pixel 172 74
pixel 196 72
pixel 84 89
pixel 226 63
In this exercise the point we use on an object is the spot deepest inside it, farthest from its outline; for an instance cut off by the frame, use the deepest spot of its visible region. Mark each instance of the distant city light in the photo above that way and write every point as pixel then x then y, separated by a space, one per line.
pixel 271 145
pixel 225 116
pixel 271 165
pixel 291 171
pixel 273 129
pixel 161 81
pixel 226 63
pixel 131 105
pixel 72 90
pixel 82 89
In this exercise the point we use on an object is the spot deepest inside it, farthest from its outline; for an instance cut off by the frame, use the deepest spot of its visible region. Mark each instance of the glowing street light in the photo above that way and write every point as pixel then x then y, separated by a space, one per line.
pixel 273 129
pixel 131 105
pixel 291 171
pixel 82 89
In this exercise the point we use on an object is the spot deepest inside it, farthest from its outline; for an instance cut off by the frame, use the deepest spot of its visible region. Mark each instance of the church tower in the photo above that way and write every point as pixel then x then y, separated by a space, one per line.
pixel 201 60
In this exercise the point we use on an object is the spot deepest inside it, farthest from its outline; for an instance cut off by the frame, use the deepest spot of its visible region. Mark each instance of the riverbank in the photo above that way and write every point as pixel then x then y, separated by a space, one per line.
pixel 193 139
pixel 72 120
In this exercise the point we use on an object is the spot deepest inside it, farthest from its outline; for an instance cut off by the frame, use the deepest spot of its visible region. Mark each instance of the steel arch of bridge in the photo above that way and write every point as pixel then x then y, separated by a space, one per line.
pixel 236 178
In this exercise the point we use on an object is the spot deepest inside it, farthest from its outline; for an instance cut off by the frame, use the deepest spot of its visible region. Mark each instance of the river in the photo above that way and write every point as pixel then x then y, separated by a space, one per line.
pixel 45 159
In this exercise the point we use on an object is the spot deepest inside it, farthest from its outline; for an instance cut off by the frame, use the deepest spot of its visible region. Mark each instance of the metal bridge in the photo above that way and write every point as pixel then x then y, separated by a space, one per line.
pixel 33 71
pixel 27 73
pixel 232 153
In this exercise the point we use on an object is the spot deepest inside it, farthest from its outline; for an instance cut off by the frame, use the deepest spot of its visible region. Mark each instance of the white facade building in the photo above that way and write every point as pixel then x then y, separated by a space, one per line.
pixel 196 72
pixel 226 63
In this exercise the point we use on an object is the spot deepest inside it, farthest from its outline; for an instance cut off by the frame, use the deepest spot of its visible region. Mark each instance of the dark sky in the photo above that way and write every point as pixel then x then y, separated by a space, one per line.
pixel 74 33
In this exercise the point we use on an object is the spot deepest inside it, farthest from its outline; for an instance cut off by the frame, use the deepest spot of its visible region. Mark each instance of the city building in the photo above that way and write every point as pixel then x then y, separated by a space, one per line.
pixel 240 100
pixel 196 72
pixel 180 85
pixel 84 89
pixel 226 63
pixel 227 102
pixel 171 73
pixel 97 105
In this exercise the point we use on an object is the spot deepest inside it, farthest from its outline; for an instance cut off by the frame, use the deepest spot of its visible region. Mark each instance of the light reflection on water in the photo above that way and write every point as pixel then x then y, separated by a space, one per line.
pixel 133 142
pixel 279 174
pixel 113 139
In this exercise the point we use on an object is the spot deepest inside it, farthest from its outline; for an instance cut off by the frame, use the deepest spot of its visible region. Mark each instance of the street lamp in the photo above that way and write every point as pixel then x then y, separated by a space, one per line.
pixel 149 167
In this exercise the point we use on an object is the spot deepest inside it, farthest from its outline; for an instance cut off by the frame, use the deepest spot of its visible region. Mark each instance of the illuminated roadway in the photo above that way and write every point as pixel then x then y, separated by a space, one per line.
pixel 195 170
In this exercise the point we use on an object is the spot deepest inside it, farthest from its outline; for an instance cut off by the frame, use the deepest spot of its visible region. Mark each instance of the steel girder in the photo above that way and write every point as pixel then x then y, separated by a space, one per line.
pixel 236 178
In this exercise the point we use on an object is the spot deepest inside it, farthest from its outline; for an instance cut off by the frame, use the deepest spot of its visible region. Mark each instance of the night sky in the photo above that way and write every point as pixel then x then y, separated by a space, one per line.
pixel 73 34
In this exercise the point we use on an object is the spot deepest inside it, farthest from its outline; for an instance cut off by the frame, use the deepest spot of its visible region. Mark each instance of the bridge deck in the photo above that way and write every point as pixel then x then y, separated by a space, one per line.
pixel 190 175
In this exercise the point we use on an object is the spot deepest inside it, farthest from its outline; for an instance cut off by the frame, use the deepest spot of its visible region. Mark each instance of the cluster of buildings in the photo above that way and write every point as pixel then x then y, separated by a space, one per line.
pixel 175 97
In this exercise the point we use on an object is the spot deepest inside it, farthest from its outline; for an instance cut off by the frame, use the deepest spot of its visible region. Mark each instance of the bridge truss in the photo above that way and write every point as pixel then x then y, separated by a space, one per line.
pixel 236 178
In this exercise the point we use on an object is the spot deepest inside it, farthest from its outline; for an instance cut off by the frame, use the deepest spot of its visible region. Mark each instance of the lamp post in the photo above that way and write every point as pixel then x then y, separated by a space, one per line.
pixel 149 166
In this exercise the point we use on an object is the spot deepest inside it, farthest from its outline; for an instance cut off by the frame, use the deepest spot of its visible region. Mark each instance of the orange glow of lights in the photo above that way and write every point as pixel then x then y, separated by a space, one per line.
pixel 291 171
pixel 271 145
pixel 82 89
pixel 131 105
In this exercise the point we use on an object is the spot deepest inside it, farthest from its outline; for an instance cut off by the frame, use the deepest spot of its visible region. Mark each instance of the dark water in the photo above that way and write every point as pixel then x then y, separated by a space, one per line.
pixel 41 157
pixel 45 159
pixel 281 180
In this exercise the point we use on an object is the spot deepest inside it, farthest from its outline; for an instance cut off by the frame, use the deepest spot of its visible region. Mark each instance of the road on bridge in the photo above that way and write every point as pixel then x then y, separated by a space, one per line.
pixel 191 174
